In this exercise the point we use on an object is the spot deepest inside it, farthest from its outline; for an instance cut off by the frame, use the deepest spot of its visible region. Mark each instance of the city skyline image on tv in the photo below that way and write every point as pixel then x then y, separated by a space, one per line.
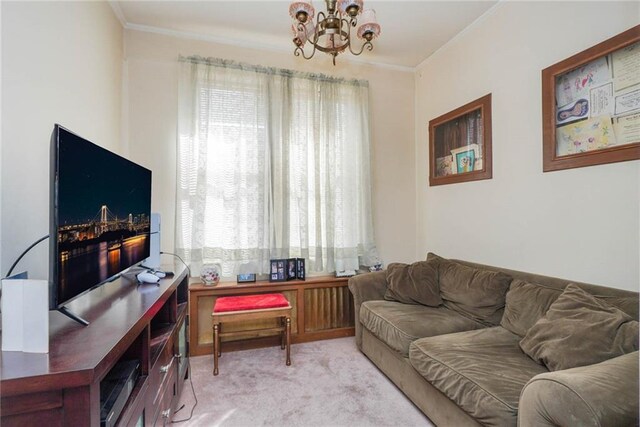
pixel 103 206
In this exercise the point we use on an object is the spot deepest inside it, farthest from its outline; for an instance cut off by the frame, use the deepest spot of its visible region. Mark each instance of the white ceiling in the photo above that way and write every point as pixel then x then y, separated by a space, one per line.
pixel 411 30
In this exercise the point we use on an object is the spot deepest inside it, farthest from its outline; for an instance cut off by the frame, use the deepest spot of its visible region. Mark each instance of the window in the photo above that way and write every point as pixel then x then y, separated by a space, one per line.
pixel 272 164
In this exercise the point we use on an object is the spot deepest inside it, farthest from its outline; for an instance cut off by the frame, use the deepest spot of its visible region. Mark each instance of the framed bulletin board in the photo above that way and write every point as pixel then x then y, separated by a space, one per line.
pixel 591 105
pixel 460 144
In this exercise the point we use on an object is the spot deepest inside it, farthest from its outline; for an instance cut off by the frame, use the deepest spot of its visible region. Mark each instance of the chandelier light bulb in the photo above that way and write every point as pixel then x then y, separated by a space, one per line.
pixel 302 11
pixel 351 7
pixel 369 28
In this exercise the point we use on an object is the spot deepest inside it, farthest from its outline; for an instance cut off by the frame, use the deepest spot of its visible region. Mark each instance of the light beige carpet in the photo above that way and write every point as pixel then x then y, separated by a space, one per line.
pixel 329 383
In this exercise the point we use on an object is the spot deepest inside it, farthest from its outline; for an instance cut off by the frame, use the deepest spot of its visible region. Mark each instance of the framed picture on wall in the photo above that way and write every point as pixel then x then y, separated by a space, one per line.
pixel 591 105
pixel 460 144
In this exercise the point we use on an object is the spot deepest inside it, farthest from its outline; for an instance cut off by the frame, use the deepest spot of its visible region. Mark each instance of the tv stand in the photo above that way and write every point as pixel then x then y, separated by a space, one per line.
pixel 147 325
pixel 64 310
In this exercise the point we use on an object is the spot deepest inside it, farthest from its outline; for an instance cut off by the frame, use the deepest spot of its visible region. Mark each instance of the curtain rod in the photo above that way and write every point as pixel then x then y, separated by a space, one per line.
pixel 227 63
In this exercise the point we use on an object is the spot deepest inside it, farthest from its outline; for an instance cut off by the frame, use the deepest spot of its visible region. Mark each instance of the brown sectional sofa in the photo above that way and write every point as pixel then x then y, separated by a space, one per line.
pixel 459 359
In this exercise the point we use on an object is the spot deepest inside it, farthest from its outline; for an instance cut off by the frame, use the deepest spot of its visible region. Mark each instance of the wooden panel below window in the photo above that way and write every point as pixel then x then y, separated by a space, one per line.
pixel 322 309
pixel 328 308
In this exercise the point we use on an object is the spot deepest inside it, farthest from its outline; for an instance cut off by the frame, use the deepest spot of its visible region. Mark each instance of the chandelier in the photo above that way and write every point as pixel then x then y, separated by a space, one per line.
pixel 331 33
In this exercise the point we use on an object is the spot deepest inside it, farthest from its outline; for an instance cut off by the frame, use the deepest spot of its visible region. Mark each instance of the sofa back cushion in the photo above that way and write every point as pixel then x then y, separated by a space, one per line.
pixel 626 301
pixel 475 293
pixel 415 283
pixel 525 304
pixel 578 330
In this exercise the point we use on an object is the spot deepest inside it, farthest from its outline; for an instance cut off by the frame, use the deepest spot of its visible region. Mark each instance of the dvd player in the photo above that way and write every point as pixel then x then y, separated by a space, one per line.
pixel 115 390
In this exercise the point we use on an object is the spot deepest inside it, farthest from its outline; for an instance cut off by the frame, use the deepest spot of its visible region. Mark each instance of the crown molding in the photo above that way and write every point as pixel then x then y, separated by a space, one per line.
pixel 117 10
pixel 115 6
pixel 252 45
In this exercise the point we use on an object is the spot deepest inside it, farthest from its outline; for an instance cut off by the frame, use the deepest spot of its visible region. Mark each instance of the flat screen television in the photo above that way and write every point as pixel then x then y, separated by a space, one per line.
pixel 100 217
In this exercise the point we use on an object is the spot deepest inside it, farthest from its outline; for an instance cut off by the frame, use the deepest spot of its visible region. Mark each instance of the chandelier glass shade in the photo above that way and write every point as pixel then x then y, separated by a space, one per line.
pixel 333 30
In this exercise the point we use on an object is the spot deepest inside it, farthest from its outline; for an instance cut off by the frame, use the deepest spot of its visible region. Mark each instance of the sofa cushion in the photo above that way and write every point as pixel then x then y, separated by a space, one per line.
pixel 398 324
pixel 415 283
pixel 630 305
pixel 525 304
pixel 604 394
pixel 482 371
pixel 580 329
pixel 472 292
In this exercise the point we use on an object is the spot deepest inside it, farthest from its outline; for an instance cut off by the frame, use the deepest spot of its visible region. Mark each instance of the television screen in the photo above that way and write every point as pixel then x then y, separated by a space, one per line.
pixel 100 215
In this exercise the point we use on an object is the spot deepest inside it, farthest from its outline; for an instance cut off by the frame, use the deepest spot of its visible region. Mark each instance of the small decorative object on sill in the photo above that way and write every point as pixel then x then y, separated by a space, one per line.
pixel 210 274
pixel 247 278
pixel 291 269
pixel 300 269
pixel 278 272
pixel 287 269
pixel 345 273
pixel 376 267
pixel 375 264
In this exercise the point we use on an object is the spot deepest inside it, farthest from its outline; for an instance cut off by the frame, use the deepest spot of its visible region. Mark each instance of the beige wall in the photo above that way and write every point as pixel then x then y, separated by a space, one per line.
pixel 581 223
pixel 151 70
pixel 61 63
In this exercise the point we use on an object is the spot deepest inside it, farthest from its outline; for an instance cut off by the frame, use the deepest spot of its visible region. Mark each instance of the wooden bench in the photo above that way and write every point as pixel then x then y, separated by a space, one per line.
pixel 251 307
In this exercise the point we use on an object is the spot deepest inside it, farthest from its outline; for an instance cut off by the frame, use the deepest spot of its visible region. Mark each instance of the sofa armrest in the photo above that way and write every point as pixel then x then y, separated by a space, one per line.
pixel 604 394
pixel 366 287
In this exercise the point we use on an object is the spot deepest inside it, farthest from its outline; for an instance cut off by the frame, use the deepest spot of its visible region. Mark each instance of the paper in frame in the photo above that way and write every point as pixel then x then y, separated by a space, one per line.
pixel 589 102
pixel 627 102
pixel 627 129
pixel 578 110
pixel 601 100
pixel 577 83
pixel 626 63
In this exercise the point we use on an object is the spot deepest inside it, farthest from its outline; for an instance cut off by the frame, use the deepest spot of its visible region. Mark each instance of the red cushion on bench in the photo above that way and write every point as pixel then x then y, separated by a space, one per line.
pixel 250 302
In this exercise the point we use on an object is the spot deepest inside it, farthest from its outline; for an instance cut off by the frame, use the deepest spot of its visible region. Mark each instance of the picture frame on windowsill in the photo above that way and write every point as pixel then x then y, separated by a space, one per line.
pixel 282 270
pixel 301 272
pixel 278 270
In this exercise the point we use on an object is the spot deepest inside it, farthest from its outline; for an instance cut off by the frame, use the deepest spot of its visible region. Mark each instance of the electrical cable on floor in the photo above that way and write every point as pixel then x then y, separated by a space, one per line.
pixel 177 256
pixel 194 395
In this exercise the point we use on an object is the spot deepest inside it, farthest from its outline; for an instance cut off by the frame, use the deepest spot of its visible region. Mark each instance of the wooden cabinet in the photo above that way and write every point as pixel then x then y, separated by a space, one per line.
pixel 322 309
pixel 146 323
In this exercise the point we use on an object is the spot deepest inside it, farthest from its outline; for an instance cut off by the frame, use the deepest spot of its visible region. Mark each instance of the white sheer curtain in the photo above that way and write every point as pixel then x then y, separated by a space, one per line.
pixel 272 164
